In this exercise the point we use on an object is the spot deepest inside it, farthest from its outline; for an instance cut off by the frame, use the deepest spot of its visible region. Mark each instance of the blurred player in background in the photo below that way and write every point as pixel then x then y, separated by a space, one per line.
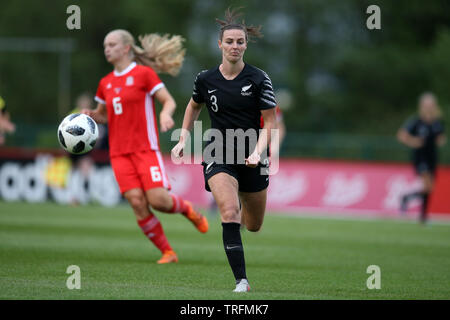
pixel 84 163
pixel 236 95
pixel 85 101
pixel 59 170
pixel 423 133
pixel 126 102
pixel 6 126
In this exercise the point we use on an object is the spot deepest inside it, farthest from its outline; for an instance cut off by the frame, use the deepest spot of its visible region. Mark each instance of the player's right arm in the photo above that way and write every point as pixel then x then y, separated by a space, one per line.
pixel 408 139
pixel 407 134
pixel 99 114
pixel 190 116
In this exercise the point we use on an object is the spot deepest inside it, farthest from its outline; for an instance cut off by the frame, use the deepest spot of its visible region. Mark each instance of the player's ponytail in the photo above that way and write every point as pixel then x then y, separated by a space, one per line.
pixel 230 22
pixel 161 53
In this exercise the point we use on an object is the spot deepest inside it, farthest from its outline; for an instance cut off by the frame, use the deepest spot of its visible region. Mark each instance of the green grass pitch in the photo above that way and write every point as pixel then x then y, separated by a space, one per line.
pixel 290 258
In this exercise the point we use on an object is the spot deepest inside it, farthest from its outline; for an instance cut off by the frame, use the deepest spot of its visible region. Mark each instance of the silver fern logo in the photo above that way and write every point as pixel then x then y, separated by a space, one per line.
pixel 245 92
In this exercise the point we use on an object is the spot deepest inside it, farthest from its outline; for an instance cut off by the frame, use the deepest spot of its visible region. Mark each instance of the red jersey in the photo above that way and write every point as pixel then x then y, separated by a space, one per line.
pixel 279 116
pixel 128 96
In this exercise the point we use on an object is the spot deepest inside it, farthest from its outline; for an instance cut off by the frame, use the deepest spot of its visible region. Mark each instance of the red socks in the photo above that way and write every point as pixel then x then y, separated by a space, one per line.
pixel 152 228
pixel 179 205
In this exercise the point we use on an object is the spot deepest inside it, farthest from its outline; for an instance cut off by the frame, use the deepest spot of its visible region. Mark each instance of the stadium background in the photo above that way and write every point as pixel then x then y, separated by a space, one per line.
pixel 345 89
pixel 351 87
pixel 345 92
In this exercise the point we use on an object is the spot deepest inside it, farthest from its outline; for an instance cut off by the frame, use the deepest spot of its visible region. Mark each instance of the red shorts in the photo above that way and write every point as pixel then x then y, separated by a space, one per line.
pixel 143 170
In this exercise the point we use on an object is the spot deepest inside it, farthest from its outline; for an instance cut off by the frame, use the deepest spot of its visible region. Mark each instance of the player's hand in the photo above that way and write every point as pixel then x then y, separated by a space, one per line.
pixel 11 127
pixel 7 126
pixel 165 121
pixel 88 112
pixel 416 142
pixel 253 160
pixel 177 151
pixel 95 114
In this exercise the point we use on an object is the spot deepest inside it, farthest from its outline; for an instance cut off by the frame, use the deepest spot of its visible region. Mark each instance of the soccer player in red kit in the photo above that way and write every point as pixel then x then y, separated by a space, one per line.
pixel 125 100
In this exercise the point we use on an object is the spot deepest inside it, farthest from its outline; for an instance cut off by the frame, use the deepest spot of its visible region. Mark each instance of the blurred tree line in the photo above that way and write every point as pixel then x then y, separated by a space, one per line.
pixel 343 77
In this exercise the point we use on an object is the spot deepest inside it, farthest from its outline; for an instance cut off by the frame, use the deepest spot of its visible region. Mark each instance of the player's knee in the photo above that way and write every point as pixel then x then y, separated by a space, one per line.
pixel 137 202
pixel 230 213
pixel 428 186
pixel 158 203
pixel 253 228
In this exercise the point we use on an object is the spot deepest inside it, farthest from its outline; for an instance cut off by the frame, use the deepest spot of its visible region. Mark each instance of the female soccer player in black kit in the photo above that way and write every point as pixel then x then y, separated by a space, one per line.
pixel 423 134
pixel 236 95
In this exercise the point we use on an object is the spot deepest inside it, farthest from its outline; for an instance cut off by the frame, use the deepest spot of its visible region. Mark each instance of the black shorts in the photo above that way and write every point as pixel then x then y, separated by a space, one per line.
pixel 425 166
pixel 249 179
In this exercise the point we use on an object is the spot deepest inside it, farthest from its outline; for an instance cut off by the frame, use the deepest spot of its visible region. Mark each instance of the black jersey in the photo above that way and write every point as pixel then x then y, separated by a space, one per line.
pixel 428 132
pixel 235 104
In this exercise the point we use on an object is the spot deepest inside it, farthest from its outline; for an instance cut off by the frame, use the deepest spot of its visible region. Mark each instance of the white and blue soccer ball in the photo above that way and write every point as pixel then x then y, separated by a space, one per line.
pixel 77 133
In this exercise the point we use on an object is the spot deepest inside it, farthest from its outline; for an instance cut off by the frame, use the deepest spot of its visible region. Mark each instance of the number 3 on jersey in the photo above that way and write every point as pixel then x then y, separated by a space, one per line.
pixel 117 105
pixel 214 107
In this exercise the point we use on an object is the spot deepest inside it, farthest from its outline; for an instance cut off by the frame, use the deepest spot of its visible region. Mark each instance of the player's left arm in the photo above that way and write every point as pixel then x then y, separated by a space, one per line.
pixel 441 140
pixel 5 122
pixel 270 122
pixel 165 117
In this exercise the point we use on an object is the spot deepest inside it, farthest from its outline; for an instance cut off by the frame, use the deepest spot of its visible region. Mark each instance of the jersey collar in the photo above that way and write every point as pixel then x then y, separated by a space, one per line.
pixel 126 70
pixel 239 74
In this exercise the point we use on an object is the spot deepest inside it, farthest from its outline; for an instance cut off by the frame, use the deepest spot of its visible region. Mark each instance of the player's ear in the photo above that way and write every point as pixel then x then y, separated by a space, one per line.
pixel 219 42
pixel 128 49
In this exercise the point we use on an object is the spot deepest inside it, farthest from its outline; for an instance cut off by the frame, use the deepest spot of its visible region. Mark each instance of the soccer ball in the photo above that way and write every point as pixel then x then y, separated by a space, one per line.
pixel 77 133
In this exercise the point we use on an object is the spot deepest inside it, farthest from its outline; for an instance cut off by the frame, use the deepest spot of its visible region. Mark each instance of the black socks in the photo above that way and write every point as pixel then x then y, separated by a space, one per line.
pixel 413 195
pixel 424 211
pixel 232 244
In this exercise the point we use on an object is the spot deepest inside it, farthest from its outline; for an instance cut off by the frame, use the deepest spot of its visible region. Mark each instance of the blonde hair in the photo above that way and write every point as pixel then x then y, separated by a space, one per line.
pixel 163 54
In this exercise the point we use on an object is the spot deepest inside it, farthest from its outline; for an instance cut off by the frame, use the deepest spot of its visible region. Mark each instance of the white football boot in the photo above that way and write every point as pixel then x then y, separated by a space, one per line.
pixel 242 286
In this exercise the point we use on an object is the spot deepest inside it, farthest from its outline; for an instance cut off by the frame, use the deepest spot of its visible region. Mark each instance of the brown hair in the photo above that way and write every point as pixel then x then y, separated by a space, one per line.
pixel 230 23
pixel 161 53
